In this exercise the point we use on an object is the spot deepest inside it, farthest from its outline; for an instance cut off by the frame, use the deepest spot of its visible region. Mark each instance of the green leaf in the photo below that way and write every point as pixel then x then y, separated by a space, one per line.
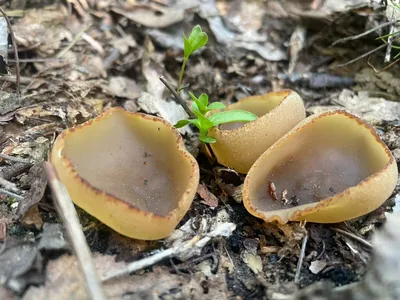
pixel 199 41
pixel 199 104
pixel 207 139
pixel 196 123
pixel 204 99
pixel 216 105
pixel 181 123
pixel 232 116
pixel 187 47
pixel 197 38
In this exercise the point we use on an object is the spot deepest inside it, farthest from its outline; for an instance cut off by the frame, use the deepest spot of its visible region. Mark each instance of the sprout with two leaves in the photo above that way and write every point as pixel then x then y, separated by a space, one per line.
pixel 200 107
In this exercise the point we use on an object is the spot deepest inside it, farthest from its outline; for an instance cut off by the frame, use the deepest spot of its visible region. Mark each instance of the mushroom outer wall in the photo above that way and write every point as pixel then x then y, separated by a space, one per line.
pixel 240 147
pixel 118 214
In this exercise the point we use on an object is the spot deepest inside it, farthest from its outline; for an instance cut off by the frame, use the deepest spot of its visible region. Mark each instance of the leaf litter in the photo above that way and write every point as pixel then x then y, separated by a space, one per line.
pixel 81 57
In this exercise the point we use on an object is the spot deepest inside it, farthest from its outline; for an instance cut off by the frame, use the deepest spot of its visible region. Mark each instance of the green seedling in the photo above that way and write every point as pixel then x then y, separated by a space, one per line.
pixel 196 40
pixel 200 107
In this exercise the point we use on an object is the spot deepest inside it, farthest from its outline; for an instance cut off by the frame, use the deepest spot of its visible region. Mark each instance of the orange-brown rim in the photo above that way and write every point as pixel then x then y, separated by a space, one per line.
pixel 180 147
pixel 325 202
pixel 285 94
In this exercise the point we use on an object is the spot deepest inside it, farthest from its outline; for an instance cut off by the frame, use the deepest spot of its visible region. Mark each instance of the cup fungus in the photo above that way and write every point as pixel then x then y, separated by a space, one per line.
pixel 129 170
pixel 330 168
pixel 239 145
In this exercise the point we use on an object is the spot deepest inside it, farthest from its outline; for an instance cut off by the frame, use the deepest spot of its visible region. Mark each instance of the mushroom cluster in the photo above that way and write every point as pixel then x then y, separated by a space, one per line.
pixel 133 173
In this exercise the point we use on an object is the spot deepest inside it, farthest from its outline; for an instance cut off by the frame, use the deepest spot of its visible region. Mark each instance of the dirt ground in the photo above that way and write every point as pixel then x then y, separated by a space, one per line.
pixel 79 57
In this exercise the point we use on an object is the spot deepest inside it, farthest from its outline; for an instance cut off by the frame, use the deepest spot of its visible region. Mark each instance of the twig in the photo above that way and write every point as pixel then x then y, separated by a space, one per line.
pixel 353 236
pixel 178 98
pixel 354 37
pixel 11 194
pixel 361 56
pixel 385 68
pixel 14 43
pixel 8 185
pixel 301 258
pixel 74 41
pixel 15 159
pixel 224 229
pixel 74 229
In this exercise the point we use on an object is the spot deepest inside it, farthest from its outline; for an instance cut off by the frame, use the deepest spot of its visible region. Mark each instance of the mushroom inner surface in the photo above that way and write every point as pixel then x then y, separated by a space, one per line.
pixel 318 162
pixel 132 159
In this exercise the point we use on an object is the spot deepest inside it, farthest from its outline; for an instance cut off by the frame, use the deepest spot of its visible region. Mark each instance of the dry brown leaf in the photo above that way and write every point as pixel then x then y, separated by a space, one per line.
pixel 209 198
pixel 33 217
pixel 64 280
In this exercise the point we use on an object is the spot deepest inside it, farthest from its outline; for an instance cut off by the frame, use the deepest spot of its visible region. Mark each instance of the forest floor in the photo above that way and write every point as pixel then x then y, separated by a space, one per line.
pixel 79 57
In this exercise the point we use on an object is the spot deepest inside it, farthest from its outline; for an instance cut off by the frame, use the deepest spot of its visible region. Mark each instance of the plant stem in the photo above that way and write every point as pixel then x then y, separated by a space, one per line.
pixel 178 98
pixel 14 43
pixel 181 74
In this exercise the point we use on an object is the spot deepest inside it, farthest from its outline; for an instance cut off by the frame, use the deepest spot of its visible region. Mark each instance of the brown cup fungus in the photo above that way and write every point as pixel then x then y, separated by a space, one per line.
pixel 129 170
pixel 239 144
pixel 330 168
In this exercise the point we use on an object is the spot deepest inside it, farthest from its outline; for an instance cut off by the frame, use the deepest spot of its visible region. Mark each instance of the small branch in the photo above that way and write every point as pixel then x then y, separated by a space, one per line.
pixel 8 185
pixel 197 241
pixel 301 258
pixel 354 37
pixel 5 192
pixel 17 69
pixel 178 98
pixel 74 229
pixel 353 236
pixel 14 159
pixel 361 56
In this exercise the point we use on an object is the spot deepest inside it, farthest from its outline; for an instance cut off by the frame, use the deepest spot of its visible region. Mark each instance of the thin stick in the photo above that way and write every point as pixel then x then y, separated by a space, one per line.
pixel 8 185
pixel 17 69
pixel 14 159
pixel 353 236
pixel 5 192
pixel 385 68
pixel 301 258
pixel 74 229
pixel 198 241
pixel 354 37
pixel 178 98
pixel 361 56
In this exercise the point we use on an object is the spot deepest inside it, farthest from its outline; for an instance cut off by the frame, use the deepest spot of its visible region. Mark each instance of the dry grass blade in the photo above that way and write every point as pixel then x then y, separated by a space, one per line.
pixel 349 234
pixel 354 37
pixel 68 213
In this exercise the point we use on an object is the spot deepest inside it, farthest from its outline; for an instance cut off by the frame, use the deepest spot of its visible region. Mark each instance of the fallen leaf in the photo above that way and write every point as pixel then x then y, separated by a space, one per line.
pixel 152 16
pixel 253 261
pixel 36 192
pixel 124 87
pixel 64 280
pixel 371 109
pixel 8 102
pixel 317 266
pixel 32 217
pixel 209 198
pixel 170 111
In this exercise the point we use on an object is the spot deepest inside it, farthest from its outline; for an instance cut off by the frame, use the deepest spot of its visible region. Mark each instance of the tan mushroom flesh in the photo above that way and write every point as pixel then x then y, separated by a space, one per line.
pixel 129 170
pixel 330 168
pixel 239 145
